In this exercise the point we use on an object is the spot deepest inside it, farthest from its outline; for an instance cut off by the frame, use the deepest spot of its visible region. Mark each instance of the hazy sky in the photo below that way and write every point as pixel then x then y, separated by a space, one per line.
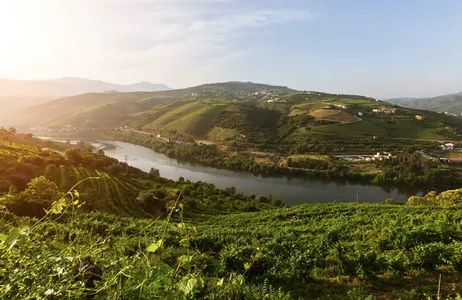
pixel 376 48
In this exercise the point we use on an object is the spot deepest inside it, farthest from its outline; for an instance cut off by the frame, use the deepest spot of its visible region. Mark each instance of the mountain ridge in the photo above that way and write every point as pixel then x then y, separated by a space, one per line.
pixel 69 86
pixel 450 103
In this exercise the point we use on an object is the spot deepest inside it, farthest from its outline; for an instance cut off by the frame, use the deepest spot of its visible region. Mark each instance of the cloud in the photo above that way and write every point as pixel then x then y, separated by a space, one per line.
pixel 181 34
pixel 179 42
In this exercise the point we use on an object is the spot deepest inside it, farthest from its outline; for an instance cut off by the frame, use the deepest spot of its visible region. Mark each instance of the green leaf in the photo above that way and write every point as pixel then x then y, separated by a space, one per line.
pixel 184 242
pixel 12 237
pixel 185 259
pixel 220 282
pixel 3 237
pixel 58 207
pixel 76 193
pixel 155 246
pixel 247 265
pixel 2 206
pixel 187 285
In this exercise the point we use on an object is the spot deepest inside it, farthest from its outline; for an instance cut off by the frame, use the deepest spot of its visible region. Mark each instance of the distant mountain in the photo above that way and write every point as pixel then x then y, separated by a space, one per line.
pixel 398 101
pixel 69 86
pixel 451 103
pixel 18 94
pixel 111 108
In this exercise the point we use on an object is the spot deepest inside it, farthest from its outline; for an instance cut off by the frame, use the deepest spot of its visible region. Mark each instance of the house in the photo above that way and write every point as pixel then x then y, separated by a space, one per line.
pixel 447 147
pixel 419 117
pixel 385 110
pixel 380 156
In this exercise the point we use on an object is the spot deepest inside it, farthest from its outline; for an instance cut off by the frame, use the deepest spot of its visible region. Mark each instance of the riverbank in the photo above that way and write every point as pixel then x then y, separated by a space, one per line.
pixel 291 191
pixel 213 156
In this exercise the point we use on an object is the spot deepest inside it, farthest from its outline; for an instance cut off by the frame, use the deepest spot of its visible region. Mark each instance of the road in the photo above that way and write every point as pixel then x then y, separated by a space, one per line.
pixel 390 138
pixel 157 136
pixel 55 151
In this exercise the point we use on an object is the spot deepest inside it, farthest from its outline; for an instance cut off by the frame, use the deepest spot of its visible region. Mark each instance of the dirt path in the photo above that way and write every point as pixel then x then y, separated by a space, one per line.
pixel 390 138
pixel 198 141
pixel 55 151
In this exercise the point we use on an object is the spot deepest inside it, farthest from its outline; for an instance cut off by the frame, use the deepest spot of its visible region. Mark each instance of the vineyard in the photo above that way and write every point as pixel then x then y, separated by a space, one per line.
pixel 78 224
pixel 324 251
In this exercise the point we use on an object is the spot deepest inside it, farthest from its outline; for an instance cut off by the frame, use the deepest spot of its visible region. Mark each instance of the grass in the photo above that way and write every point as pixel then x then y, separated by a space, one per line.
pixel 324 113
pixel 198 122
pixel 221 134
pixel 321 251
pixel 308 156
pixel 357 128
pixel 175 115
pixel 333 115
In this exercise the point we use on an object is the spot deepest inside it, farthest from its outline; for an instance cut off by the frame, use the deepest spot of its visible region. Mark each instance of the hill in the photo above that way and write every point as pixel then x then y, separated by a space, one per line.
pixel 69 86
pixel 259 111
pixel 185 240
pixel 323 251
pixel 18 94
pixel 451 103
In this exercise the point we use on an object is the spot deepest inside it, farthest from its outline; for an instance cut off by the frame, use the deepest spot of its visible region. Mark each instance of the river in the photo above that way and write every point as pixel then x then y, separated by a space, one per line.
pixel 290 190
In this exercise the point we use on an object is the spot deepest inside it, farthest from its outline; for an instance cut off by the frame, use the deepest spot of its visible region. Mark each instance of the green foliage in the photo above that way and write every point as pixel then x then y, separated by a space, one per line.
pixel 445 199
pixel 409 168
pixel 288 253
pixel 38 196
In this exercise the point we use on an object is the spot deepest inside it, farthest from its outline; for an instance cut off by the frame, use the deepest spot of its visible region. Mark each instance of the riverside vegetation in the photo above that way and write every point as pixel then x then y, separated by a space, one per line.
pixel 79 224
pixel 263 129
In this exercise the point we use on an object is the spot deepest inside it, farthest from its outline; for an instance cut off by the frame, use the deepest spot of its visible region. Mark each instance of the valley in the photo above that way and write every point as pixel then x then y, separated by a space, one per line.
pixel 188 194
pixel 266 130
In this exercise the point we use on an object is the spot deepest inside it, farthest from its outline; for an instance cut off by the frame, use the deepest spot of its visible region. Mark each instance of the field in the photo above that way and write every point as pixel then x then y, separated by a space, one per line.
pixel 334 115
pixel 222 134
pixel 356 128
pixel 323 251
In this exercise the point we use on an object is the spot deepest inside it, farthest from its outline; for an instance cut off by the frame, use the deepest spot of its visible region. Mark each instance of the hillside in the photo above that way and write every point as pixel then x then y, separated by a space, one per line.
pixel 259 112
pixel 19 94
pixel 185 240
pixel 451 103
pixel 323 251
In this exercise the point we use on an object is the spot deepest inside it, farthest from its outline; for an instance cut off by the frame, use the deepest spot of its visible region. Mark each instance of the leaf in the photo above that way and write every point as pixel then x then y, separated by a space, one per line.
pixel 220 282
pixel 187 285
pixel 247 265
pixel 184 242
pixel 76 193
pixel 155 246
pixel 58 207
pixel 185 259
pixel 12 237
pixel 3 237
pixel 2 206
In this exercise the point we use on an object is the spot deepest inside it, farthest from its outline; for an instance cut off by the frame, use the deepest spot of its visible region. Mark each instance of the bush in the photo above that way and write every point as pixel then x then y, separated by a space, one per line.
pixel 38 196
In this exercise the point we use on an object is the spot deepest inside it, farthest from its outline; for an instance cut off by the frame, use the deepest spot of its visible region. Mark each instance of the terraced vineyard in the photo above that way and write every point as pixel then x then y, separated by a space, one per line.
pixel 114 194
pixel 323 251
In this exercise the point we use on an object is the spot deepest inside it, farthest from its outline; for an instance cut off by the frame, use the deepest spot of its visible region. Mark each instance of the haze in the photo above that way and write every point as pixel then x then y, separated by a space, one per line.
pixel 374 48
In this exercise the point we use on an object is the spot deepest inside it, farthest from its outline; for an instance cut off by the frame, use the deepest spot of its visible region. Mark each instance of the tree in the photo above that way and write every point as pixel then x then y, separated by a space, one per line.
pixel 38 196
pixel 12 130
pixel 74 155
pixel 154 173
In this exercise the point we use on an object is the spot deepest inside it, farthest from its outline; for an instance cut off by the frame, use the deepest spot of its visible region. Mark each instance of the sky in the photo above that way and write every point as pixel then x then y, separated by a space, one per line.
pixel 384 49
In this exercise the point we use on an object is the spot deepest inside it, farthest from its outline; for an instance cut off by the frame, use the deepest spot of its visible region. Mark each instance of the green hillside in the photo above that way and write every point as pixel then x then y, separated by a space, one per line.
pixel 323 251
pixel 451 103
pixel 114 188
pixel 122 233
pixel 262 113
